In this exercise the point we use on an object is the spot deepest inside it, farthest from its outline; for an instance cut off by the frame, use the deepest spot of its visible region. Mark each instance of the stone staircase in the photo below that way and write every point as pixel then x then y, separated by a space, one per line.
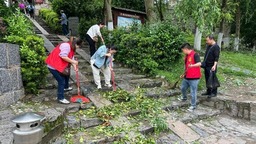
pixel 207 124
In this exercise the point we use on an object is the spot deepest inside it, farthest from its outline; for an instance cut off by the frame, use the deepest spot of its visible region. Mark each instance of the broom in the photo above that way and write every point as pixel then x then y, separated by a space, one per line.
pixel 175 84
pixel 112 75
pixel 78 98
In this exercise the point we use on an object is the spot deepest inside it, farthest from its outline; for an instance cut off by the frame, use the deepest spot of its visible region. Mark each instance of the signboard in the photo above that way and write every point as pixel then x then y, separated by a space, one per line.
pixel 125 21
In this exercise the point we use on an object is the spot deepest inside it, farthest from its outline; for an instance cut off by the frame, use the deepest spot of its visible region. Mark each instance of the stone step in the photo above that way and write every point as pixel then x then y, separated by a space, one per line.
pixel 199 113
pixel 183 131
pixel 74 122
pixel 161 92
pixel 98 100
pixel 146 83
pixel 122 71
pixel 129 76
pixel 238 108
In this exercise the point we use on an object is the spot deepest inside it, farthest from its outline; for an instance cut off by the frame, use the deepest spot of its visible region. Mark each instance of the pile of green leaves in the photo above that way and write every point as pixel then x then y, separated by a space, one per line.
pixel 118 96
pixel 150 109
pixel 33 69
pixel 51 18
pixel 147 48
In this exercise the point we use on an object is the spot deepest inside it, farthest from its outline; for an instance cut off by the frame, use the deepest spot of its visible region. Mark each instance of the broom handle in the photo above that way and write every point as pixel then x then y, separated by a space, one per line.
pixel 77 80
pixel 112 74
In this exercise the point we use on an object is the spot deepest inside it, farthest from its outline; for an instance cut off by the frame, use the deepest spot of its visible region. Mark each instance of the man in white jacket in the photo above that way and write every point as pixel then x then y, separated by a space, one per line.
pixel 92 36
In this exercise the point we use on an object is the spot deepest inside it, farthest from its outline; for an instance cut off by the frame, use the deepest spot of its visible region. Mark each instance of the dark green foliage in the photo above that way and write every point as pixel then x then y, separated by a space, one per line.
pixel 51 18
pixel 147 48
pixel 89 12
pixel 18 25
pixel 4 10
pixel 33 66
pixel 32 52
pixel 248 24
pixel 131 4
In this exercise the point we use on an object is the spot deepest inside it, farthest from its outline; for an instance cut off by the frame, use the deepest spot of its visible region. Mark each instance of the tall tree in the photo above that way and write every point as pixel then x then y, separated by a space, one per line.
pixel 109 19
pixel 204 13
pixel 130 4
pixel 149 5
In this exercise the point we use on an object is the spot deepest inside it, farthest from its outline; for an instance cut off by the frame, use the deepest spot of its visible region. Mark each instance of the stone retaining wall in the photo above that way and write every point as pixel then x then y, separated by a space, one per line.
pixel 11 87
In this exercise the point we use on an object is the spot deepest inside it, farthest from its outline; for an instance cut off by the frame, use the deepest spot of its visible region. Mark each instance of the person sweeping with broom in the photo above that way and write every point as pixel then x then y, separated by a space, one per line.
pixel 59 62
pixel 191 75
pixel 100 62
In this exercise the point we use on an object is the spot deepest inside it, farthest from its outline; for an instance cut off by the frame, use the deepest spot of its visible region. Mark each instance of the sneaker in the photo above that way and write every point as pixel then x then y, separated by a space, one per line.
pixel 64 101
pixel 108 85
pixel 99 87
pixel 68 89
pixel 191 108
pixel 182 99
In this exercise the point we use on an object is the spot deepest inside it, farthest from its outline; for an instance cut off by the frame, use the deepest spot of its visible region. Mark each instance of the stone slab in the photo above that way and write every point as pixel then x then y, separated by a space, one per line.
pixel 98 100
pixel 9 98
pixel 47 44
pixel 38 26
pixel 81 77
pixel 84 55
pixel 73 24
pixel 13 55
pixel 183 131
pixel 124 122
pixel 72 122
pixel 90 122
pixel 6 126
pixel 3 55
pixel 147 83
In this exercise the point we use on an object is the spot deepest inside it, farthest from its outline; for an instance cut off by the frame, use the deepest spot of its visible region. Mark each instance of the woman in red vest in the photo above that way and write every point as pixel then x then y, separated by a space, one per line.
pixel 191 76
pixel 58 63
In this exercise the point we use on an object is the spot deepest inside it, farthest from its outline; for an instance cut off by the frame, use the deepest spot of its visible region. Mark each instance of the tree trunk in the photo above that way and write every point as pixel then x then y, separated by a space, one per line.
pixel 222 23
pixel 236 44
pixel 198 37
pixel 219 42
pixel 109 15
pixel 238 26
pixel 149 5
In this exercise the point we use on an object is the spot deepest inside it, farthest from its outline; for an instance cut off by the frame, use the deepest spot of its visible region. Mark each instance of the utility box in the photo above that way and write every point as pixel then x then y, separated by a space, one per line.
pixel 28 128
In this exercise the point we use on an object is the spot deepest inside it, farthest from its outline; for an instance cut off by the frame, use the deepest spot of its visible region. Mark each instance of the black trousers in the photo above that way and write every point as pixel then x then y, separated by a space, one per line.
pixel 207 74
pixel 91 44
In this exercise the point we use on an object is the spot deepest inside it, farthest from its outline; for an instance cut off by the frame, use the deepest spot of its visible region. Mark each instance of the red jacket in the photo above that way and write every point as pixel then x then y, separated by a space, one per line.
pixel 55 61
pixel 192 72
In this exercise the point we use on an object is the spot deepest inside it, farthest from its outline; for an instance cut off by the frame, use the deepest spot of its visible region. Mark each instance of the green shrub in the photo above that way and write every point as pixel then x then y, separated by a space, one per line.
pixel 84 25
pixel 32 52
pixel 147 48
pixel 19 25
pixel 51 18
pixel 33 67
pixel 89 12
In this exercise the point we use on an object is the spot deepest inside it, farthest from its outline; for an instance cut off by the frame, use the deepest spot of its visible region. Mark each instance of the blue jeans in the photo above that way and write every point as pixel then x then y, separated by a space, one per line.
pixel 193 84
pixel 62 83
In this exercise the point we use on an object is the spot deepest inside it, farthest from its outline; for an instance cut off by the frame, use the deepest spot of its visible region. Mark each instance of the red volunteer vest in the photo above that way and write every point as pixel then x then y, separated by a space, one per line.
pixel 55 61
pixel 192 72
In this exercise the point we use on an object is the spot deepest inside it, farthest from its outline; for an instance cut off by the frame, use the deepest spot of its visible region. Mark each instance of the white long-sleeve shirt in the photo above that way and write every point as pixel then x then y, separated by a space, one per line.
pixel 94 31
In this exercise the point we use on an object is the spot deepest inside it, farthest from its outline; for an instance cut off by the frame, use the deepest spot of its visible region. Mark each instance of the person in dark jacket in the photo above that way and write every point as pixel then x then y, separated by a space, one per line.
pixel 211 59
